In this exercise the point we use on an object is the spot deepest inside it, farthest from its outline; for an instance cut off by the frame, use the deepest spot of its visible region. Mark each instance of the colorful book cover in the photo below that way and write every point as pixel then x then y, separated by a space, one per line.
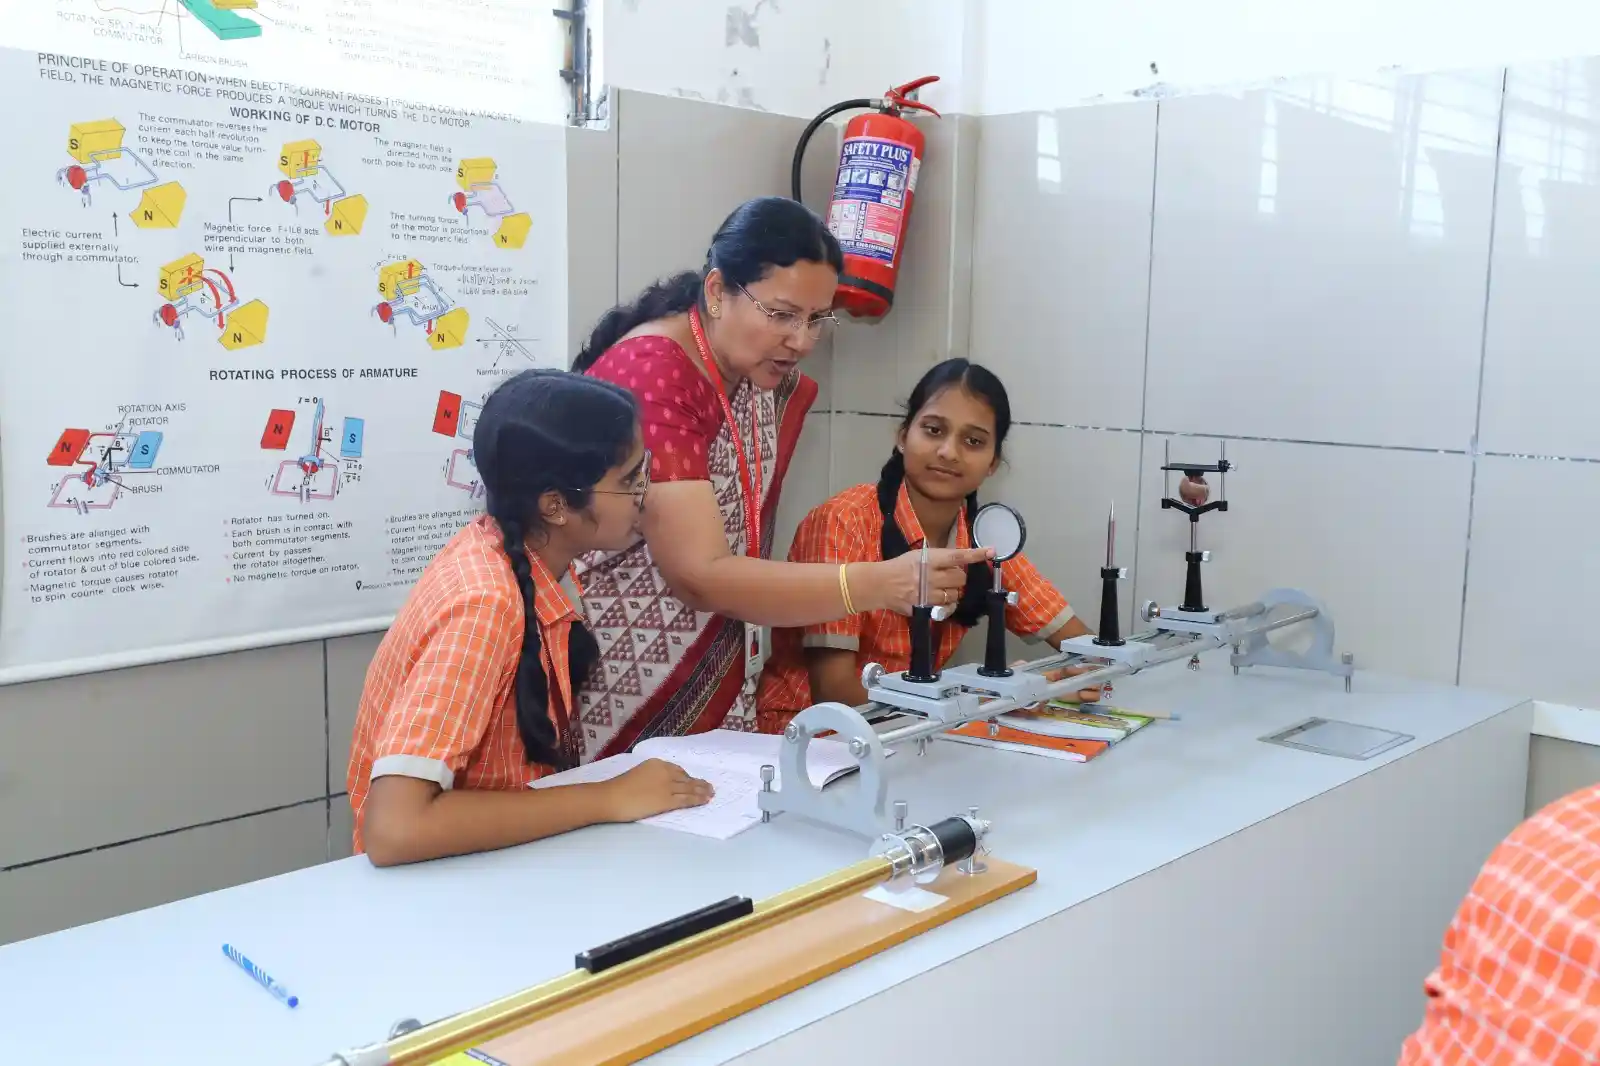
pixel 1006 737
pixel 1076 721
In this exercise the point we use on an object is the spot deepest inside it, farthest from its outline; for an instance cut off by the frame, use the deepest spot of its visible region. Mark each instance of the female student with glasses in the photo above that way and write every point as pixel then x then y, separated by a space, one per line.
pixel 473 692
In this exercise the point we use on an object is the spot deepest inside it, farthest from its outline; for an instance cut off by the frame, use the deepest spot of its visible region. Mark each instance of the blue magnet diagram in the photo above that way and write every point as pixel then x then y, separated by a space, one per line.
pixel 330 462
pixel 100 464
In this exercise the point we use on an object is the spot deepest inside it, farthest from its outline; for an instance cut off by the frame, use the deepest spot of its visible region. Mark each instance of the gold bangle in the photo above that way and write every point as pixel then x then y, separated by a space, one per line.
pixel 844 589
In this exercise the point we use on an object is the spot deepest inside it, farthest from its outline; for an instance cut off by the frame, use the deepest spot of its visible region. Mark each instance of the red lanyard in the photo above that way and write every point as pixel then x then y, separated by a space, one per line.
pixel 750 485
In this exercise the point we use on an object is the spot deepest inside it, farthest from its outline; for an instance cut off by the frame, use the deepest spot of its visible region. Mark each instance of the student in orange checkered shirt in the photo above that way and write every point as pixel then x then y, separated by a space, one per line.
pixel 1518 981
pixel 470 696
pixel 949 443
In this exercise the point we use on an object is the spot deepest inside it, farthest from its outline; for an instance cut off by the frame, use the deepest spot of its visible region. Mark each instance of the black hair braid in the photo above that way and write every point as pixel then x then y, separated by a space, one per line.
pixel 544 431
pixel 532 686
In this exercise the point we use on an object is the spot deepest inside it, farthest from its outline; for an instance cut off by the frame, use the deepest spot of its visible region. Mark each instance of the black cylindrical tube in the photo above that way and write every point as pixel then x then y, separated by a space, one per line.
pixel 634 945
pixel 1110 634
pixel 994 643
pixel 1194 598
pixel 956 837
pixel 922 646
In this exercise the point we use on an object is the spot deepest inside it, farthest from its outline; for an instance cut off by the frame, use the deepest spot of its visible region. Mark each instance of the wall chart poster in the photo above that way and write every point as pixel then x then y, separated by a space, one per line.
pixel 250 325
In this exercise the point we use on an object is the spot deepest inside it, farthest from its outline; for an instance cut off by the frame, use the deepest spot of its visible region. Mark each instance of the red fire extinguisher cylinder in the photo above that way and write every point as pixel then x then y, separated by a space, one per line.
pixel 874 188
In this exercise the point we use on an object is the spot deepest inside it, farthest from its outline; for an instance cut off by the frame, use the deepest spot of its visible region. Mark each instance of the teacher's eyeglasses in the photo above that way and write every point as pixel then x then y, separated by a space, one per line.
pixel 792 321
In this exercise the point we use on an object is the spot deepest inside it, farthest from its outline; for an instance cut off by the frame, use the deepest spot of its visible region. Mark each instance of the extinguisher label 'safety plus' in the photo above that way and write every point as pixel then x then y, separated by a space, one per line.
pixel 869 196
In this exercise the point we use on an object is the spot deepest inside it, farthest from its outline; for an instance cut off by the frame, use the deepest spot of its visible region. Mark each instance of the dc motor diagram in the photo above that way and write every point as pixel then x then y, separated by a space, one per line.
pixel 330 462
pixel 101 158
pixel 479 189
pixel 409 293
pixel 193 289
pixel 99 464
pixel 264 230
pixel 305 177
pixel 457 419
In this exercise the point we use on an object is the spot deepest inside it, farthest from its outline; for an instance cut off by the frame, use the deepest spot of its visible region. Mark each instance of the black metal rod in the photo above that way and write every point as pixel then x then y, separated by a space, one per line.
pixel 634 945
pixel 1194 597
pixel 922 668
pixel 994 643
pixel 1110 634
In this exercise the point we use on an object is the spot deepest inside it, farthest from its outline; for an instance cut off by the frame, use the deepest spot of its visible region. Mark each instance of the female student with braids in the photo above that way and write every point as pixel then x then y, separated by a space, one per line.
pixel 949 443
pixel 472 692
pixel 713 356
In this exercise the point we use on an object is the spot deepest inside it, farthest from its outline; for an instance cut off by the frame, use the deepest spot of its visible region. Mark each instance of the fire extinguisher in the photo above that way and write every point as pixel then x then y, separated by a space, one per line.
pixel 872 194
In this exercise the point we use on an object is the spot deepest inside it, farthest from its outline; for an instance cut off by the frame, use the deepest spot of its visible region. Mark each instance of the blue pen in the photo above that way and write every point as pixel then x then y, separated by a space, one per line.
pixel 260 976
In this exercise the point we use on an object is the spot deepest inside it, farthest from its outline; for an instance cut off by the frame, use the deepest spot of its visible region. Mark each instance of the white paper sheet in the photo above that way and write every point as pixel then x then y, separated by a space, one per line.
pixel 912 899
pixel 730 761
pixel 747 752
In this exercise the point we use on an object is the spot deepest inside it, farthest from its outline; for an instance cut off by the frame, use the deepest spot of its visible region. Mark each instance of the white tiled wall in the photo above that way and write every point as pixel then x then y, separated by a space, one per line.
pixel 1318 267
pixel 1383 291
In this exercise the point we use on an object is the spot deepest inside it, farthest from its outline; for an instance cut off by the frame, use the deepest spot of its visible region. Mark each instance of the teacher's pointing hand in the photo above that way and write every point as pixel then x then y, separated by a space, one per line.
pixel 947 576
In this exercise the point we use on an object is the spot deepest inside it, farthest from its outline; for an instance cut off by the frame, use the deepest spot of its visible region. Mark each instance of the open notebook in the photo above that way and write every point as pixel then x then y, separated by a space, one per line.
pixel 730 761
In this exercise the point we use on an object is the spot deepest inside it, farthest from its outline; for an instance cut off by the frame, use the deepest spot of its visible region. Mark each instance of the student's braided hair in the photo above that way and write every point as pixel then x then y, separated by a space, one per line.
pixel 547 431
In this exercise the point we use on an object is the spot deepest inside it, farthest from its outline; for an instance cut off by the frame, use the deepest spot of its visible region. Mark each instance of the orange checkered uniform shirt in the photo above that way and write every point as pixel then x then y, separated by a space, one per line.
pixel 439 701
pixel 848 529
pixel 1519 978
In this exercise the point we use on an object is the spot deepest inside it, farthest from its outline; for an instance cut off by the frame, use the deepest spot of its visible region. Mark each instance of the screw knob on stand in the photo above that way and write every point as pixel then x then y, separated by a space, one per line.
pixel 768 772
pixel 974 864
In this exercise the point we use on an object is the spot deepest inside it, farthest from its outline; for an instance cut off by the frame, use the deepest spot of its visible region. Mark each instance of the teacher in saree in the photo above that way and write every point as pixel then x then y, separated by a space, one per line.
pixel 713 356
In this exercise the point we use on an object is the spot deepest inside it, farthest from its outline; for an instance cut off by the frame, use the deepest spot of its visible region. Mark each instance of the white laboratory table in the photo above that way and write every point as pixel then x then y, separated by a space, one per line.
pixel 1202 897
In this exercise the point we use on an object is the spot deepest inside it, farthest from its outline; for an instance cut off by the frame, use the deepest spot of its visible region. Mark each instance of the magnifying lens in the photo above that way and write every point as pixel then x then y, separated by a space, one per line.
pixel 998 527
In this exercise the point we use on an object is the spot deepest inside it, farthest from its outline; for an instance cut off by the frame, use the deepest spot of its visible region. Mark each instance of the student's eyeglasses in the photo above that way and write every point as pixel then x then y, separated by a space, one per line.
pixel 792 321
pixel 640 482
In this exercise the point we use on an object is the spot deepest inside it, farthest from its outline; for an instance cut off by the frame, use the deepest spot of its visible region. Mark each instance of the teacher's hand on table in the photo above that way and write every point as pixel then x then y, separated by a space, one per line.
pixel 652 787
pixel 1083 695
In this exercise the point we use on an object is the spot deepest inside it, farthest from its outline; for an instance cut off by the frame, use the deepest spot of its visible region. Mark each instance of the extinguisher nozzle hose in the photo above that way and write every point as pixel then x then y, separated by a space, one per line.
pixel 811 129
